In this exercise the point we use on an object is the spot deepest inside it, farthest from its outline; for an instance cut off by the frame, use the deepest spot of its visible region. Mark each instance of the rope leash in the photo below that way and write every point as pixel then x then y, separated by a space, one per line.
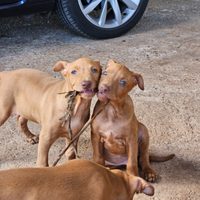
pixel 68 113
pixel 82 130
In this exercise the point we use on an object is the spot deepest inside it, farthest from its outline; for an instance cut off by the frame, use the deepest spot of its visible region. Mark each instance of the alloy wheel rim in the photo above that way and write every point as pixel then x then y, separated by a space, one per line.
pixel 108 13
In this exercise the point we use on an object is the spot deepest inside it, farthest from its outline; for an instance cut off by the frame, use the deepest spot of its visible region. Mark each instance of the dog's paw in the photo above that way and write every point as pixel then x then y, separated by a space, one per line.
pixel 150 175
pixel 33 140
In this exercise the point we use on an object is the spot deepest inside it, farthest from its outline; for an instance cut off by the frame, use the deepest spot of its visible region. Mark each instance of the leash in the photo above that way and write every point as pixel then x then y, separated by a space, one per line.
pixel 70 106
pixel 82 130
pixel 68 113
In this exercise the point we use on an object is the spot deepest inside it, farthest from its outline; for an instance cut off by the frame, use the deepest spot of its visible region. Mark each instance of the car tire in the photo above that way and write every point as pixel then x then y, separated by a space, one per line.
pixel 101 19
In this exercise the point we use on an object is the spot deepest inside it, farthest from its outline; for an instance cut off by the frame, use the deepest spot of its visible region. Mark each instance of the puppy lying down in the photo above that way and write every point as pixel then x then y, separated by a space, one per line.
pixel 74 180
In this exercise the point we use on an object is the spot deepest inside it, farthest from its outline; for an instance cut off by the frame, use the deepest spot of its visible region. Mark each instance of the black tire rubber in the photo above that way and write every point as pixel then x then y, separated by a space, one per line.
pixel 71 16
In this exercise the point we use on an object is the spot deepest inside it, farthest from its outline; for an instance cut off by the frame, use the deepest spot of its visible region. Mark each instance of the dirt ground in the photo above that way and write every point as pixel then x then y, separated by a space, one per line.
pixel 164 47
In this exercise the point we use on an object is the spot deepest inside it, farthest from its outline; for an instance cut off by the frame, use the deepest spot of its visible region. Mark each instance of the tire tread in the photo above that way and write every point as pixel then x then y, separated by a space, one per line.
pixel 65 16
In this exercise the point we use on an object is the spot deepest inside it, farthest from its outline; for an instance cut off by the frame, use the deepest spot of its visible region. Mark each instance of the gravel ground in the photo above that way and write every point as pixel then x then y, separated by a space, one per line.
pixel 164 47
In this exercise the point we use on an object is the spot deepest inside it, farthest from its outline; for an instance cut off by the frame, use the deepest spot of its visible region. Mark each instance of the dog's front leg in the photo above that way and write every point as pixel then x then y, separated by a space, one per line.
pixel 72 150
pixel 46 139
pixel 143 139
pixel 98 149
pixel 132 148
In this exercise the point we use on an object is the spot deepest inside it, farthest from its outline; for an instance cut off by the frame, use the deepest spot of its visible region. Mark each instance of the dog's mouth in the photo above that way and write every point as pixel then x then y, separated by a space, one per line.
pixel 88 94
pixel 101 96
pixel 88 91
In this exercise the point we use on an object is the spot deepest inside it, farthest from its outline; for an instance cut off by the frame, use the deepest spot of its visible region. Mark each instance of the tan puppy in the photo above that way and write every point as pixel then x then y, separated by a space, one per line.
pixel 73 180
pixel 33 95
pixel 117 136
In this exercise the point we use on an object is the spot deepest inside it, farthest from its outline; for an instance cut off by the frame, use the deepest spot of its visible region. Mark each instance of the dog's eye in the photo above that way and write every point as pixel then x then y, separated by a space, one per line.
pixel 73 72
pixel 123 83
pixel 105 73
pixel 94 70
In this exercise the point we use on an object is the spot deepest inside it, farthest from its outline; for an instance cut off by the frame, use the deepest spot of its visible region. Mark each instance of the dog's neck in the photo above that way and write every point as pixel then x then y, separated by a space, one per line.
pixel 80 103
pixel 120 107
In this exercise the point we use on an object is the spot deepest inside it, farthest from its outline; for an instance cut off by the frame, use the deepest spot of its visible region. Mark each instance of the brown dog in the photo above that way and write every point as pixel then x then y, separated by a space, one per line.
pixel 73 180
pixel 117 136
pixel 33 95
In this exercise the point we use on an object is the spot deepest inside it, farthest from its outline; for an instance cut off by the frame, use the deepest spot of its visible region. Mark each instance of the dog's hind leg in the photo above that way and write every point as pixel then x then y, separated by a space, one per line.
pixel 5 112
pixel 29 137
pixel 3 116
pixel 143 144
pixel 5 109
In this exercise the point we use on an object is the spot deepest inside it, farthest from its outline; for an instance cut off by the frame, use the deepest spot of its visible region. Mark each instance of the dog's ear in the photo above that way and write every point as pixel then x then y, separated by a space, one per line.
pixel 138 184
pixel 148 190
pixel 138 79
pixel 61 65
pixel 143 186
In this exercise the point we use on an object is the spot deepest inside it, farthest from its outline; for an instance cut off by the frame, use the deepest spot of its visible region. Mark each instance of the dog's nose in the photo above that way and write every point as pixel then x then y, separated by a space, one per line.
pixel 104 89
pixel 86 85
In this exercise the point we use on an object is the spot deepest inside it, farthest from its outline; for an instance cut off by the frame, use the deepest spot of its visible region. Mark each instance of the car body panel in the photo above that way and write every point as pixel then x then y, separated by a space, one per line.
pixel 25 7
pixel 4 2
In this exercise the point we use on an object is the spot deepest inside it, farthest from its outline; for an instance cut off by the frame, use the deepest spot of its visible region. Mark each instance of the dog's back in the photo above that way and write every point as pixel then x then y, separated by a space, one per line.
pixel 2 74
pixel 74 180
pixel 21 86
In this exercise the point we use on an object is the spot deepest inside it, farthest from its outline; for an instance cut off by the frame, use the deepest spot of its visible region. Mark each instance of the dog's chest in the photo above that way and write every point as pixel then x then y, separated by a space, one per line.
pixel 76 124
pixel 112 128
pixel 81 112
pixel 113 140
pixel 113 132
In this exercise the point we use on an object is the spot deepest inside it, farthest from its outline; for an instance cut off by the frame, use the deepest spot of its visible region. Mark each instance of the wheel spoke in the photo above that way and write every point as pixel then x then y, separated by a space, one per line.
pixel 130 4
pixel 102 19
pixel 91 7
pixel 117 12
pixel 108 13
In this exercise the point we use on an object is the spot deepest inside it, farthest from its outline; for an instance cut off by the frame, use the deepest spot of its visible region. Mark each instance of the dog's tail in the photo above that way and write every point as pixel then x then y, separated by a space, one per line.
pixel 161 159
